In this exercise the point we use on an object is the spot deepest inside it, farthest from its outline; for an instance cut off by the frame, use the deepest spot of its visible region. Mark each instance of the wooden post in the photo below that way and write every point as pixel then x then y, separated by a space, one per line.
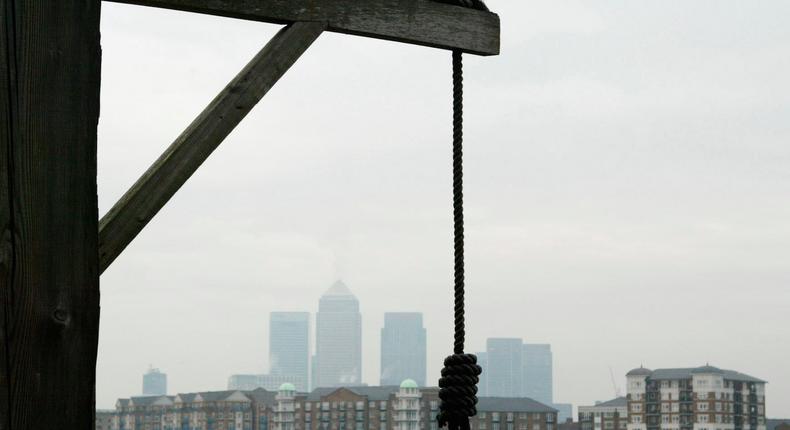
pixel 50 61
pixel 185 155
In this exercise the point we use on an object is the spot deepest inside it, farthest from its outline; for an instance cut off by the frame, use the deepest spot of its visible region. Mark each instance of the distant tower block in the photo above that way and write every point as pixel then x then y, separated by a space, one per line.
pixel 154 383
pixel 289 347
pixel 338 338
pixel 403 348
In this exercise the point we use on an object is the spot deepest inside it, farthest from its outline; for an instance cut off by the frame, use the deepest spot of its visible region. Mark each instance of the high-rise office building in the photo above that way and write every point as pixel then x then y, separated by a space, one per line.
pixel 154 383
pixel 338 338
pixel 403 348
pixel 244 382
pixel 289 347
pixel 482 386
pixel 504 367
pixel 538 374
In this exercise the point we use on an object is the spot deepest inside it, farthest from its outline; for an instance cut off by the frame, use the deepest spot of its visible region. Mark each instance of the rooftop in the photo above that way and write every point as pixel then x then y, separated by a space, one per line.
pixel 639 371
pixel 409 383
pixel 618 402
pixel 372 393
pixel 687 373
pixel 508 404
pixel 338 289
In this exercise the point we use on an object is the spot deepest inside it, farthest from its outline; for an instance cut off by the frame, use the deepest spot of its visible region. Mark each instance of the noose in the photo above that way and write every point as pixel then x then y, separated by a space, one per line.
pixel 458 384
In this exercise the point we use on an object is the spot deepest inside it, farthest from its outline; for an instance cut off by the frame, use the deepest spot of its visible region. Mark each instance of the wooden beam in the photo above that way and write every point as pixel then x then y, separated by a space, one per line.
pixel 50 62
pixel 166 176
pixel 420 22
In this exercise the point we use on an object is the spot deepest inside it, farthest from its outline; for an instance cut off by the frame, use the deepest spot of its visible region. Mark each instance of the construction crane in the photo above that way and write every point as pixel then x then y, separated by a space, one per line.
pixel 614 383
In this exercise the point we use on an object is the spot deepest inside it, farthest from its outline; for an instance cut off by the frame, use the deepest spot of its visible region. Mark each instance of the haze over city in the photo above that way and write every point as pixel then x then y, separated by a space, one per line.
pixel 626 193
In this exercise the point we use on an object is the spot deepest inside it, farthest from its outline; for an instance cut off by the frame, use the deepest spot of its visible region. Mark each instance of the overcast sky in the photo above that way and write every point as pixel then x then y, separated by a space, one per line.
pixel 627 192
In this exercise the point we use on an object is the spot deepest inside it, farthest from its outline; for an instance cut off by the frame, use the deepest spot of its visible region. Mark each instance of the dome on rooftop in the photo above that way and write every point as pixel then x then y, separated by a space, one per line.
pixel 639 371
pixel 408 383
pixel 707 369
pixel 287 386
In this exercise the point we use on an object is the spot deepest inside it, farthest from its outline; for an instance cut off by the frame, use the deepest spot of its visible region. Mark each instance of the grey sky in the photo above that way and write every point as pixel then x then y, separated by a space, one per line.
pixel 627 192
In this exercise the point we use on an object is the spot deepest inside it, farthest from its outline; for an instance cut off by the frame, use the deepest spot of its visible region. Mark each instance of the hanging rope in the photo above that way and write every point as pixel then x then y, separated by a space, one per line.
pixel 458 384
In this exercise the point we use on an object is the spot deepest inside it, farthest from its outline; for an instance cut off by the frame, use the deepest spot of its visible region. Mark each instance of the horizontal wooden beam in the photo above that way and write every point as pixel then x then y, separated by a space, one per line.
pixel 420 22
pixel 166 176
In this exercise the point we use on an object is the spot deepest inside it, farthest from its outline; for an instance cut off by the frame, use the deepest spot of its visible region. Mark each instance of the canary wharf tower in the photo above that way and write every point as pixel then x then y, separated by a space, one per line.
pixel 338 338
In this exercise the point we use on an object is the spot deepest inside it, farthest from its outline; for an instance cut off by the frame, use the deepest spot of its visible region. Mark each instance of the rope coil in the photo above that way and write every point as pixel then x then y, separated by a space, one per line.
pixel 458 384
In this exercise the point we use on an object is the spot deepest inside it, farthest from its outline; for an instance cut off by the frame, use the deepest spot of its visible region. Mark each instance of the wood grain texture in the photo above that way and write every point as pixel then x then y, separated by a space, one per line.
pixel 184 156
pixel 420 22
pixel 50 62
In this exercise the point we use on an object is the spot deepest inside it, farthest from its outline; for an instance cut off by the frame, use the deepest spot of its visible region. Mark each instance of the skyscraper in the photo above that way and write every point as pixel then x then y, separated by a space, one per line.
pixel 403 348
pixel 482 386
pixel 538 375
pixel 289 347
pixel 504 367
pixel 154 383
pixel 338 338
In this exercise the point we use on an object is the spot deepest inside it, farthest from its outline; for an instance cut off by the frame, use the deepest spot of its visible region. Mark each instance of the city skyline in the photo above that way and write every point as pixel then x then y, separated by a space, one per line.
pixel 624 163
pixel 520 369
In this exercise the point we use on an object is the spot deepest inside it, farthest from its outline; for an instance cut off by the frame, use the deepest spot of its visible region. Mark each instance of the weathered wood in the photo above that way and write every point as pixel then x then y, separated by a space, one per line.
pixel 166 176
pixel 420 22
pixel 50 62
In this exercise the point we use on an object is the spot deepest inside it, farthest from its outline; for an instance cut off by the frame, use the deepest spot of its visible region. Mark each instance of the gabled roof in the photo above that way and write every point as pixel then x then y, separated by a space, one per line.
pixel 372 393
pixel 185 397
pixel 261 395
pixel 706 369
pixel 151 400
pixel 216 396
pixel 614 403
pixel 687 373
pixel 511 404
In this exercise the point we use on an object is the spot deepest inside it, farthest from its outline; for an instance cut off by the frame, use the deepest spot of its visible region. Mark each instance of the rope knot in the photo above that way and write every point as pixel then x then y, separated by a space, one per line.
pixel 458 391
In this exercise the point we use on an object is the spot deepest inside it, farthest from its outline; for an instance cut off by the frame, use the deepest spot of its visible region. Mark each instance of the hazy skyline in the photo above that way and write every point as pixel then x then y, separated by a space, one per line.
pixel 626 192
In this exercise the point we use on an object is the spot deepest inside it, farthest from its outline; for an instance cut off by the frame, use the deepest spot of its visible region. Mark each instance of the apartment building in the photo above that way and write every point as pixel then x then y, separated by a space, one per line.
pixel 609 415
pixel 701 398
pixel 404 407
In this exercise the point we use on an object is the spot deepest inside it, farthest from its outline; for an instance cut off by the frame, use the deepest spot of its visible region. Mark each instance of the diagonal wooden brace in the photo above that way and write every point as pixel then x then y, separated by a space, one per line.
pixel 185 155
